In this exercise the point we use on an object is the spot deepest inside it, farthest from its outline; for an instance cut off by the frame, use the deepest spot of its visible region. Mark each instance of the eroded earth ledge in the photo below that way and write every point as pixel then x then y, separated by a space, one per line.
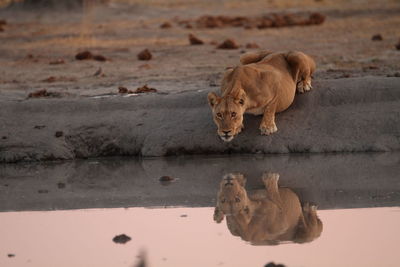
pixel 339 115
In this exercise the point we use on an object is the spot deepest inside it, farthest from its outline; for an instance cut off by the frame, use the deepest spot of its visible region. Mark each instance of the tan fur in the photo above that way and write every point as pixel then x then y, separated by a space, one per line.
pixel 264 85
pixel 265 217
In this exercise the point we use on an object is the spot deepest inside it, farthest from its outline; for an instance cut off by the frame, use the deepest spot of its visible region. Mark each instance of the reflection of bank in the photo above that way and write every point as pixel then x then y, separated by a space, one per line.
pixel 267 216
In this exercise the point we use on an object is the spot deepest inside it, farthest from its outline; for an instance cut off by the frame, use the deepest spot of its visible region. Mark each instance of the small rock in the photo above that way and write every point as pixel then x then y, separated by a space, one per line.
pixel 121 239
pixel 252 45
pixel 272 264
pixel 377 37
pixel 10 255
pixel 144 55
pixel 4 137
pixel 183 215
pixel 59 134
pixel 39 127
pixel 84 55
pixel 43 191
pixel 61 185
pixel 194 40
pixel 165 25
pixel 228 44
pixel 123 90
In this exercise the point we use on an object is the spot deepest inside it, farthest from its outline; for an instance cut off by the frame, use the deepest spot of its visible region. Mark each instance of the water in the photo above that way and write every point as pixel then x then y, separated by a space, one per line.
pixel 66 214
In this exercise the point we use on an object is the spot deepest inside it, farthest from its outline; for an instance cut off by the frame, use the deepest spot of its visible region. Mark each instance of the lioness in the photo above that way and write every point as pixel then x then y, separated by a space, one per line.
pixel 265 84
pixel 268 216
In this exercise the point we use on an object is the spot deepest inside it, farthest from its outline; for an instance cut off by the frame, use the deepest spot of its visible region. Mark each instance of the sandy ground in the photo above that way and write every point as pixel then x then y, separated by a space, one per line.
pixel 342 45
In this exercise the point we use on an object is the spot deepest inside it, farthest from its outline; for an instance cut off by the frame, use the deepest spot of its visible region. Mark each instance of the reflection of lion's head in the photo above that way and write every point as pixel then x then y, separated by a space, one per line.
pixel 227 114
pixel 232 196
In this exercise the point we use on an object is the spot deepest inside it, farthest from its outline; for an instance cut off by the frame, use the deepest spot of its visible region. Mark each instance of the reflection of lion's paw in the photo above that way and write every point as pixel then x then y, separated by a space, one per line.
pixel 304 86
pixel 267 130
pixel 270 177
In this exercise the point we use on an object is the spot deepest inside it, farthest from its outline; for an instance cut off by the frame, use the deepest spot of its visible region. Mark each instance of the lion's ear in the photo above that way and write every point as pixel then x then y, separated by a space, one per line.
pixel 241 97
pixel 212 99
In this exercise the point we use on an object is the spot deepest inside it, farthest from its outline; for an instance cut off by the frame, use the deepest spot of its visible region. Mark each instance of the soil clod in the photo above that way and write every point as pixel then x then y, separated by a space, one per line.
pixel 38 127
pixel 377 37
pixel 123 90
pixel 59 134
pixel 10 255
pixel 194 40
pixel 61 185
pixel 84 55
pixel 166 25
pixel 145 89
pixel 228 44
pixel 43 191
pixel 252 46
pixel 144 55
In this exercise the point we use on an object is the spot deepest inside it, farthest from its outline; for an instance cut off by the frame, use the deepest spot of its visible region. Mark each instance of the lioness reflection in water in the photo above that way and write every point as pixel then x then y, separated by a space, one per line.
pixel 268 216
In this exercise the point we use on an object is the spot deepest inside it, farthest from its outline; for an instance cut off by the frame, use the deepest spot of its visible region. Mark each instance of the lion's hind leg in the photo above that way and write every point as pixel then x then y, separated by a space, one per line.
pixel 302 68
pixel 254 57
pixel 270 181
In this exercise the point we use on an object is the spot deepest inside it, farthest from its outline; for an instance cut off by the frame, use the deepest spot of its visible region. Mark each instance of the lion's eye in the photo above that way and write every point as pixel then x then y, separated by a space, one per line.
pixel 237 199
pixel 241 102
pixel 233 114
pixel 219 115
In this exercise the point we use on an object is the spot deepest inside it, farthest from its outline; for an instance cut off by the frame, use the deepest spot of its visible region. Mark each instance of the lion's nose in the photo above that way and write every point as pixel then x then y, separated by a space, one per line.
pixel 226 132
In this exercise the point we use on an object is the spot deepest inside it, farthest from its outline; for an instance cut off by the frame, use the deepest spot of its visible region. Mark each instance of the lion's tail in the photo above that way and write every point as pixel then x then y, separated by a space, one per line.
pixel 254 57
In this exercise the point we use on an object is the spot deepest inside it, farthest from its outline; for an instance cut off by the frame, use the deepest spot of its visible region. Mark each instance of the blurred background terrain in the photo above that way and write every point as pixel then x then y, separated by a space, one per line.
pixel 39 41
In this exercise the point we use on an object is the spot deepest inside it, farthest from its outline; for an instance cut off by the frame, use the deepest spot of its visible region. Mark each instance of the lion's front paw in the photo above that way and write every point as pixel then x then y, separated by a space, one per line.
pixel 270 177
pixel 267 130
pixel 304 86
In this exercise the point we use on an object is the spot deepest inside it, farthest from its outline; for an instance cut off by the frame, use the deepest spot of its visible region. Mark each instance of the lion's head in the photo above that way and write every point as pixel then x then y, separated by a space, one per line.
pixel 227 114
pixel 232 196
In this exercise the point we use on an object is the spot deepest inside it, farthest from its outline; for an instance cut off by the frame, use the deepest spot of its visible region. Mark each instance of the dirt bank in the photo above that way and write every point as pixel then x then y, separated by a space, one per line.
pixel 340 115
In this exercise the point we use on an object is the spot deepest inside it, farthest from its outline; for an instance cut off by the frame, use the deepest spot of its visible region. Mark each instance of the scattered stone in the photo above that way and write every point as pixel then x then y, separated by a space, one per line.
pixel 144 55
pixel 58 134
pixel 43 191
pixel 183 215
pixel 57 61
pixel 272 264
pixel 194 40
pixel 252 45
pixel 4 137
pixel 377 37
pixel 39 127
pixel 165 25
pixel 123 90
pixel 84 55
pixel 145 89
pixel 10 255
pixel 228 44
pixel 43 93
pixel 61 185
pixel 121 239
